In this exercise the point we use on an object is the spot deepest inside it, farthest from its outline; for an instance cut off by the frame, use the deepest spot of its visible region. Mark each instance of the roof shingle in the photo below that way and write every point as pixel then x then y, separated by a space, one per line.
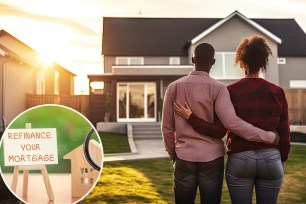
pixel 168 36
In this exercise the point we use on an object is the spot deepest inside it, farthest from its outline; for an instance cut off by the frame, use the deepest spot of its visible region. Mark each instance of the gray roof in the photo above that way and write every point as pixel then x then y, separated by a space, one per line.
pixel 172 36
pixel 292 35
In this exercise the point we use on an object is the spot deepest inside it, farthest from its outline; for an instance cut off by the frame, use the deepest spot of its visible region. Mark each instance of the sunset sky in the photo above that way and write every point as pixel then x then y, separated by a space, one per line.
pixel 71 30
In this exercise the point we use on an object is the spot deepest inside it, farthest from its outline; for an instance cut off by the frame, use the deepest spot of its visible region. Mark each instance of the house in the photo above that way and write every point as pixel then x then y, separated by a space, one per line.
pixel 83 176
pixel 23 73
pixel 142 56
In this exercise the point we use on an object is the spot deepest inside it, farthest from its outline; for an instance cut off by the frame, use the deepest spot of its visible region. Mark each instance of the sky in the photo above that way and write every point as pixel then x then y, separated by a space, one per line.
pixel 70 31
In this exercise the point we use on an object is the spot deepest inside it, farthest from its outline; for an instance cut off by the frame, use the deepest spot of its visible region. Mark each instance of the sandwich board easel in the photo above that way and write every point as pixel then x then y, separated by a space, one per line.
pixel 26 170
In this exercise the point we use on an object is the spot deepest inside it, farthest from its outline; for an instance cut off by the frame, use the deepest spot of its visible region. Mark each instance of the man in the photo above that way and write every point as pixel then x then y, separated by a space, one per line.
pixel 199 160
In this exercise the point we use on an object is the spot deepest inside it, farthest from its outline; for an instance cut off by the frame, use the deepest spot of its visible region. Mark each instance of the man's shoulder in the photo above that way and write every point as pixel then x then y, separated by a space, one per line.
pixel 199 78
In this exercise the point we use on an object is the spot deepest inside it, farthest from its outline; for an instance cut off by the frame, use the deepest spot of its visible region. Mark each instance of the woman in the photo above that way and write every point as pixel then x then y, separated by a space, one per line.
pixel 264 105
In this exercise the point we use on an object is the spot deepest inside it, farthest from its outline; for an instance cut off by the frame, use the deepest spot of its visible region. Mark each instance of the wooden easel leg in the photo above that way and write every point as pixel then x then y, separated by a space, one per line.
pixel 47 183
pixel 15 179
pixel 25 183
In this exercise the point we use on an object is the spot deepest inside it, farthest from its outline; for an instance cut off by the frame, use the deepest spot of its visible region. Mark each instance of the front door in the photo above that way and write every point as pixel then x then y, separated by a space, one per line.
pixel 136 101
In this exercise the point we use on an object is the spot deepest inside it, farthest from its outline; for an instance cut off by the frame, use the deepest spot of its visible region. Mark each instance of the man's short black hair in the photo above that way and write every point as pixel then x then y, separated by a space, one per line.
pixel 204 54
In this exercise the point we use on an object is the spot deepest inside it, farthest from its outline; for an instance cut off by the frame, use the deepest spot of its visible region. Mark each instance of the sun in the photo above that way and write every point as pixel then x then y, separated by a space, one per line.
pixel 46 58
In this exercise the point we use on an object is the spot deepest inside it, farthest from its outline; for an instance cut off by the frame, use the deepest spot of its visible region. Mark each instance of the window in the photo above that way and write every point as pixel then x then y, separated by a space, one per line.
pixel 298 84
pixel 56 82
pixel 224 66
pixel 174 61
pixel 40 83
pixel 84 171
pixel 129 60
pixel 84 181
pixel 281 60
pixel 136 101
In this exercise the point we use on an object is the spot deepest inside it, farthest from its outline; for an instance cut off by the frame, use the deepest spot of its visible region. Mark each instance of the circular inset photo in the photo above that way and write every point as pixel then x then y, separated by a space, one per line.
pixel 50 153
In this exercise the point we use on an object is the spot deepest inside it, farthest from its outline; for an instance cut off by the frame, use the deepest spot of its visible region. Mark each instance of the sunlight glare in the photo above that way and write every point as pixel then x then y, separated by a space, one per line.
pixel 46 58
pixel 81 85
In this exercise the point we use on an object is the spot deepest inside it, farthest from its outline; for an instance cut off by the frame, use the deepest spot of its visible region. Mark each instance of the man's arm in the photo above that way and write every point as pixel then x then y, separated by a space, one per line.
pixel 168 124
pixel 226 113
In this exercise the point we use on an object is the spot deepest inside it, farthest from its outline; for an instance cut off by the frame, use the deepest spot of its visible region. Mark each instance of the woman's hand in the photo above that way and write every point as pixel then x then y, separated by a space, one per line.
pixel 184 112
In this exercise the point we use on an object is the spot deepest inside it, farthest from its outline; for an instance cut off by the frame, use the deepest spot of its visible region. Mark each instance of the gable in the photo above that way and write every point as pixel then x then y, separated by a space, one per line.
pixel 226 38
pixel 247 21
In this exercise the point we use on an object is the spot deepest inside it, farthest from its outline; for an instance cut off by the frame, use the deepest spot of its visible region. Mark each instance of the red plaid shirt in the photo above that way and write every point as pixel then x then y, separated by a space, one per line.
pixel 260 103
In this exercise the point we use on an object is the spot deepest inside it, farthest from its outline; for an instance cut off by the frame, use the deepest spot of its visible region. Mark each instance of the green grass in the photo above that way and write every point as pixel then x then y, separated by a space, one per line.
pixel 114 143
pixel 150 181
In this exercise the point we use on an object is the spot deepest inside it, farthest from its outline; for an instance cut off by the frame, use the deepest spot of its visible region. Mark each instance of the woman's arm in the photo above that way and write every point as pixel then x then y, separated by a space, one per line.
pixel 283 130
pixel 201 126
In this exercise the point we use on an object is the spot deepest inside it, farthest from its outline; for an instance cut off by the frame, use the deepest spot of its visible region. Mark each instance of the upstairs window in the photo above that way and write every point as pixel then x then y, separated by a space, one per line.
pixel 224 66
pixel 174 61
pixel 129 60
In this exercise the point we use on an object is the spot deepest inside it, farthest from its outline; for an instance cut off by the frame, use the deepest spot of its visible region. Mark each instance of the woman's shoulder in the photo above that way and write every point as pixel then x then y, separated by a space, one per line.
pixel 273 87
pixel 254 84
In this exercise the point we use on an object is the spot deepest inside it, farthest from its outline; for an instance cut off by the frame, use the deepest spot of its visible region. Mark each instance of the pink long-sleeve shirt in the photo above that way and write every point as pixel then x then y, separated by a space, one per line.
pixel 205 96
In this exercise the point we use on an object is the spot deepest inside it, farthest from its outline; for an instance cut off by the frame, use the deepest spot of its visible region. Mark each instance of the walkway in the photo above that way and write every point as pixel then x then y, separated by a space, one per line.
pixel 146 149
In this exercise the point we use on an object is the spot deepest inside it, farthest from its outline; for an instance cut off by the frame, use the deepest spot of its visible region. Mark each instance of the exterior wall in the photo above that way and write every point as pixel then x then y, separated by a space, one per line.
pixel 1 89
pixel 20 80
pixel 109 61
pixel 66 83
pixel 153 70
pixel 294 69
pixel 66 80
pixel 227 37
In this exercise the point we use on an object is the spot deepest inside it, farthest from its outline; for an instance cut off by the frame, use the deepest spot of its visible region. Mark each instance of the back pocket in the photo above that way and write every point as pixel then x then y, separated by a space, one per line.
pixel 236 166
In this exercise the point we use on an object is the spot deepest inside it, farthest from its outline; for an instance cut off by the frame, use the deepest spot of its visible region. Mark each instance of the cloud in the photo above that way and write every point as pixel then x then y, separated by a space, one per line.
pixel 17 12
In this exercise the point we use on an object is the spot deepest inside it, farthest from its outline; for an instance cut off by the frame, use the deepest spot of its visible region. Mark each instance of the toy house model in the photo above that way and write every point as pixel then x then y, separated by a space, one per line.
pixel 83 176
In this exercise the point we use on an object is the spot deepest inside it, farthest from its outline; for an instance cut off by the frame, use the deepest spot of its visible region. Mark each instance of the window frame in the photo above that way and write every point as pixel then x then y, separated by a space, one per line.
pixel 129 59
pixel 292 86
pixel 223 68
pixel 176 59
pixel 128 119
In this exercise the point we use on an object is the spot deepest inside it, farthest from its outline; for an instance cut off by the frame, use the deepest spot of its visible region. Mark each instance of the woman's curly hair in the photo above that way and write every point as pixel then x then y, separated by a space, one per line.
pixel 253 54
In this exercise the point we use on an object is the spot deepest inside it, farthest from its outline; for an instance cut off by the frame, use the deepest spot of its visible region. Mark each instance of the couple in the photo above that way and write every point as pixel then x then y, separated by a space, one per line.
pixel 199 111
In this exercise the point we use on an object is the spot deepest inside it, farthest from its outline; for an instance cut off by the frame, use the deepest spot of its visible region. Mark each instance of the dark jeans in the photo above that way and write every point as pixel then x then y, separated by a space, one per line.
pixel 262 169
pixel 188 176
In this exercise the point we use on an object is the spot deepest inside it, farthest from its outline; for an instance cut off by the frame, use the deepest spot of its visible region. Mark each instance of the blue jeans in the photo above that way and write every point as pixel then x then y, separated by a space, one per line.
pixel 207 176
pixel 262 169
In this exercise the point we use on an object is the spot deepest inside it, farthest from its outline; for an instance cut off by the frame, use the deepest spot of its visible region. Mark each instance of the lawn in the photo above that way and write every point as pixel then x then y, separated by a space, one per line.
pixel 150 181
pixel 114 143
